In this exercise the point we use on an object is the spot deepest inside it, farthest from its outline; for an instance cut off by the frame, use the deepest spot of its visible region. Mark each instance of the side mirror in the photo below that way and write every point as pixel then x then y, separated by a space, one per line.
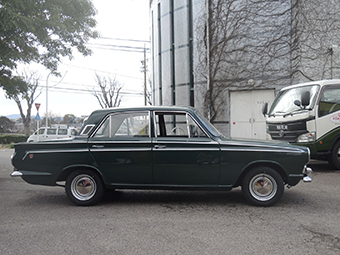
pixel 305 98
pixel 297 103
pixel 265 109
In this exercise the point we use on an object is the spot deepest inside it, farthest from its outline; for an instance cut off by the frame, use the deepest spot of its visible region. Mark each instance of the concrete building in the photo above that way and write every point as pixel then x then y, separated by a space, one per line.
pixel 255 49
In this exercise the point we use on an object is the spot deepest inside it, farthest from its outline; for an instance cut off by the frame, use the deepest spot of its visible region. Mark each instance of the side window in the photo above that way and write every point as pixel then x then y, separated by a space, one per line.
pixel 62 131
pixel 125 125
pixel 74 132
pixel 177 125
pixel 194 129
pixel 51 131
pixel 87 129
pixel 329 101
pixel 41 131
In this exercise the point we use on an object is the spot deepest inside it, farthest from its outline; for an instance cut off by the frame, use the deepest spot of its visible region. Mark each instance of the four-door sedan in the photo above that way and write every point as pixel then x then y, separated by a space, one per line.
pixel 160 148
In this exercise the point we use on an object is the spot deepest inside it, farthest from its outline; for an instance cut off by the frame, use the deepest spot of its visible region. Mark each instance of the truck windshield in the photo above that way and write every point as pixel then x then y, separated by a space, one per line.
pixel 284 102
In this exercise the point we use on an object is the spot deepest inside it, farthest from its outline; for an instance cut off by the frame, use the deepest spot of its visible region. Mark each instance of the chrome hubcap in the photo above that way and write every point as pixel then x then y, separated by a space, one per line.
pixel 338 154
pixel 83 187
pixel 263 187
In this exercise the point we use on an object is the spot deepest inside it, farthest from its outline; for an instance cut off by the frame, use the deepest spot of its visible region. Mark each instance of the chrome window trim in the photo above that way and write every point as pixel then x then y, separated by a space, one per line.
pixel 90 125
pixel 180 112
pixel 123 112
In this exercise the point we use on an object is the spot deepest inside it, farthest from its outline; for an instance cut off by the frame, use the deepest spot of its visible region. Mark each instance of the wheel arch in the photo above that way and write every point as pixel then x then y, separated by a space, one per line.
pixel 335 140
pixel 69 169
pixel 274 165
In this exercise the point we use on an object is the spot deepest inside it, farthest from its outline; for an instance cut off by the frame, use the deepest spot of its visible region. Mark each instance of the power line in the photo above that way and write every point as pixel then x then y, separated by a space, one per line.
pixel 87 68
pixel 68 90
pixel 121 39
pixel 87 86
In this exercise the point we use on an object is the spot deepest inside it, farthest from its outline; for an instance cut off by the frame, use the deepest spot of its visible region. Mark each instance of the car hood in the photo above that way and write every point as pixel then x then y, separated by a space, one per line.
pixel 269 144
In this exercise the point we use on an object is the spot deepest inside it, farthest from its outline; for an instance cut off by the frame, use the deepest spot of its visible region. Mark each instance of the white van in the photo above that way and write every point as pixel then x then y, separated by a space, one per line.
pixel 308 114
pixel 53 133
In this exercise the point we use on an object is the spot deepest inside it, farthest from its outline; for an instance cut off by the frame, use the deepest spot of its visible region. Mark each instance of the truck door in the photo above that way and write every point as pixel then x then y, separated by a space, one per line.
pixel 328 117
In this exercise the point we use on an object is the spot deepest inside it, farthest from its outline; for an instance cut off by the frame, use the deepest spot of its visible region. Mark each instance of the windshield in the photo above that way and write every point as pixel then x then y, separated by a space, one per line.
pixel 284 102
pixel 210 126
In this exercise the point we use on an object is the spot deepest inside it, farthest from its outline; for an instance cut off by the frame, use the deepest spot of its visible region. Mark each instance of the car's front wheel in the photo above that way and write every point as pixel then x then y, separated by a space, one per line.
pixel 263 186
pixel 84 187
pixel 334 157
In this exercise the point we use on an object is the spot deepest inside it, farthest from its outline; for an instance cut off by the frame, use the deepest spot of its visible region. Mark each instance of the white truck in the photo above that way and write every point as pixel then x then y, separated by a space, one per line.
pixel 308 114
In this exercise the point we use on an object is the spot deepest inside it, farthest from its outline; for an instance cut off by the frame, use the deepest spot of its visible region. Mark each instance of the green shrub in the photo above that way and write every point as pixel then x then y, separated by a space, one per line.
pixel 8 139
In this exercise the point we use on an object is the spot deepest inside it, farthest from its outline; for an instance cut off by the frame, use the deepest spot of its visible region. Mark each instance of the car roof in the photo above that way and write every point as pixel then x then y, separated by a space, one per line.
pixel 320 83
pixel 98 115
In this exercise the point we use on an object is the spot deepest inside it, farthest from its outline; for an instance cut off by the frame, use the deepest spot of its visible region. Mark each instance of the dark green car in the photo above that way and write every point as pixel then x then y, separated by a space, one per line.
pixel 160 148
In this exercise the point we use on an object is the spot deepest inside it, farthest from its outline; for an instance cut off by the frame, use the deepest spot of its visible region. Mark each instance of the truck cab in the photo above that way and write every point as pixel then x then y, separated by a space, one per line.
pixel 308 114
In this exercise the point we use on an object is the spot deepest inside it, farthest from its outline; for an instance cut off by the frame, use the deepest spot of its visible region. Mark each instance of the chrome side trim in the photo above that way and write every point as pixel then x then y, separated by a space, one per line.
pixel 258 150
pixel 187 149
pixel 53 151
pixel 121 149
pixel 119 141
pixel 242 145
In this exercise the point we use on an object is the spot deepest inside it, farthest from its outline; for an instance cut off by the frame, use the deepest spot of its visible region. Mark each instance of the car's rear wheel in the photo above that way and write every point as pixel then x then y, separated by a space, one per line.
pixel 84 187
pixel 263 186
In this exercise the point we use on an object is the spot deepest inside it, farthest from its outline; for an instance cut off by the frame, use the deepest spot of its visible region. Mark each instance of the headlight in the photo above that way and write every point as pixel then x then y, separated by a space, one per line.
pixel 306 138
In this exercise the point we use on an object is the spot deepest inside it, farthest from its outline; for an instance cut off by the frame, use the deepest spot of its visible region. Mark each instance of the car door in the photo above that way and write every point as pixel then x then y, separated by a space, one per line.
pixel 121 147
pixel 183 154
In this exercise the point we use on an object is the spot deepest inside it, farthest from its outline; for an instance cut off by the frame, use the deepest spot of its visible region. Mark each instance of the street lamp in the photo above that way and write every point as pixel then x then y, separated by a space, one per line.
pixel 47 98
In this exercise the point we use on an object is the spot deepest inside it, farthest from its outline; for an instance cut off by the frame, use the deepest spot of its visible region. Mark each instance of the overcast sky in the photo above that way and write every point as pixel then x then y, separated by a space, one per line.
pixel 120 24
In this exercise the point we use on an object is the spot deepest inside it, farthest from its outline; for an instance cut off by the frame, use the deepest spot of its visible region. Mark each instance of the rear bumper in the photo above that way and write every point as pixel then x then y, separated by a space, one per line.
pixel 41 178
pixel 16 174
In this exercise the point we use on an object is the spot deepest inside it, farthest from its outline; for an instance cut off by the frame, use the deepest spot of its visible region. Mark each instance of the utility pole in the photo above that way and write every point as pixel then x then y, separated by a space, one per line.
pixel 144 69
pixel 208 42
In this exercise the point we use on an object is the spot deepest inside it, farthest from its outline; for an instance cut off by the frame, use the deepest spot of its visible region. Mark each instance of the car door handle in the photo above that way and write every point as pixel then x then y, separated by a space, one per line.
pixel 98 146
pixel 160 146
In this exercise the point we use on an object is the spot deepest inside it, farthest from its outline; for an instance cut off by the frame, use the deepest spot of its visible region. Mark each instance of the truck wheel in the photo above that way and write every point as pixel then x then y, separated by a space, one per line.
pixel 334 157
pixel 263 186
pixel 84 187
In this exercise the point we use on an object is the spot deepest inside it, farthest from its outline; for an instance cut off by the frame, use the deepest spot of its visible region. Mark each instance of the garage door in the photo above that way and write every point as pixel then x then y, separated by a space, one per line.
pixel 246 119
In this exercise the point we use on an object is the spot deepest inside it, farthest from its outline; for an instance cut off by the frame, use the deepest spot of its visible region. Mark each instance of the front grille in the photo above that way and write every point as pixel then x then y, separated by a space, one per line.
pixel 287 131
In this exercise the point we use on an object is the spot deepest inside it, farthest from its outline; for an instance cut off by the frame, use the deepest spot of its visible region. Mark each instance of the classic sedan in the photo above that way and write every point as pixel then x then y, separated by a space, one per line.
pixel 160 148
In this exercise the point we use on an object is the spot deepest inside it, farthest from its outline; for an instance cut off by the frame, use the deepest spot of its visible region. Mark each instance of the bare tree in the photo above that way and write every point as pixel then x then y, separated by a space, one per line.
pixel 29 83
pixel 109 93
pixel 247 44
pixel 243 40
pixel 315 37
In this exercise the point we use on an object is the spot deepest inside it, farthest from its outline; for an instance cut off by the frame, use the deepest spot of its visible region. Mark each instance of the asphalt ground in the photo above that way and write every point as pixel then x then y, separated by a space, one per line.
pixel 41 220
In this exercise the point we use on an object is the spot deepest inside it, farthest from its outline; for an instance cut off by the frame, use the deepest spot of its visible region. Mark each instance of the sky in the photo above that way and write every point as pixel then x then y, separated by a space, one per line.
pixel 120 24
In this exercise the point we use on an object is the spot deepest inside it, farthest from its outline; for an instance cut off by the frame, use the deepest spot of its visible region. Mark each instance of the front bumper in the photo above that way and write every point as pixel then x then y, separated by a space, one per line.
pixel 307 172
